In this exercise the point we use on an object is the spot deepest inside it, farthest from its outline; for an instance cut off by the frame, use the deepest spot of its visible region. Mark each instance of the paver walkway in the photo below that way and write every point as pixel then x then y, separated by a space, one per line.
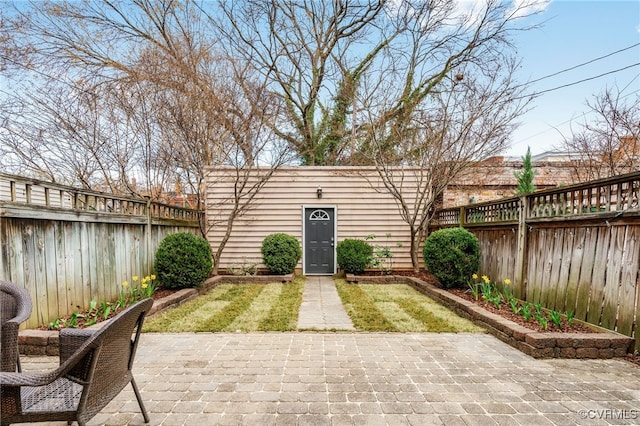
pixel 320 378
pixel 321 307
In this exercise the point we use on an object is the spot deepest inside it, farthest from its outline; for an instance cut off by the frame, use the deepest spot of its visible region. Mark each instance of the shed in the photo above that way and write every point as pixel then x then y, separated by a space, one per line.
pixel 320 206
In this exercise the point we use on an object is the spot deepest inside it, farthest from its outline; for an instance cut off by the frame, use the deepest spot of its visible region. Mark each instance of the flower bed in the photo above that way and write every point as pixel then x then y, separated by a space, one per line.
pixel 597 342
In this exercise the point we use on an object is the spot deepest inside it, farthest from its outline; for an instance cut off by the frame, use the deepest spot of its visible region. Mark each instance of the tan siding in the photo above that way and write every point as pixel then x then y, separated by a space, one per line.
pixel 360 210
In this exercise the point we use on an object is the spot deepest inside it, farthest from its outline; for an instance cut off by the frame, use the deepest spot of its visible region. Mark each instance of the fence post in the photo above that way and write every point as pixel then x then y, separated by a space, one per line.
pixel 521 255
pixel 461 218
pixel 148 234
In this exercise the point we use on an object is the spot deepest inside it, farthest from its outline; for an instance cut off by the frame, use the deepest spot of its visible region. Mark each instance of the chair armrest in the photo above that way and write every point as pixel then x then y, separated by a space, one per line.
pixel 9 344
pixel 26 379
pixel 71 339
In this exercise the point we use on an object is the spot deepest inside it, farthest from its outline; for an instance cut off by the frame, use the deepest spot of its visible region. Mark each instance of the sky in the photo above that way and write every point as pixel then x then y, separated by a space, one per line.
pixel 573 32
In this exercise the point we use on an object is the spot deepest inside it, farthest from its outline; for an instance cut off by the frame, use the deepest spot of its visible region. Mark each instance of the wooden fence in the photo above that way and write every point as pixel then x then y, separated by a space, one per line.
pixel 68 246
pixel 575 248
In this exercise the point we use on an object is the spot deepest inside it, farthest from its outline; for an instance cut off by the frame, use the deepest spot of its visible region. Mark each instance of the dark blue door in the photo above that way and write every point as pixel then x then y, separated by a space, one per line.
pixel 319 240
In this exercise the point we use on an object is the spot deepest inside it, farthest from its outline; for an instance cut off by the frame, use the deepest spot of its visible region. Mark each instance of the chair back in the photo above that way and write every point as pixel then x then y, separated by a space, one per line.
pixel 15 308
pixel 107 368
pixel 15 302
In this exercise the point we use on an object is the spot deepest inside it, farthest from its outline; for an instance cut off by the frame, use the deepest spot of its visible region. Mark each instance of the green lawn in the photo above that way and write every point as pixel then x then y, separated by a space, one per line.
pixel 400 308
pixel 235 307
pixel 275 306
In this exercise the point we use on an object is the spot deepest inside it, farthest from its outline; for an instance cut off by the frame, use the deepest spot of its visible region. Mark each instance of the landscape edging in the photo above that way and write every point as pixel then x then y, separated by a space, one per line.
pixel 603 344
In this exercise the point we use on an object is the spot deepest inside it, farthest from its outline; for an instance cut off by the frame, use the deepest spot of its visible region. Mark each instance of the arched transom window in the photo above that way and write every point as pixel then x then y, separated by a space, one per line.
pixel 319 215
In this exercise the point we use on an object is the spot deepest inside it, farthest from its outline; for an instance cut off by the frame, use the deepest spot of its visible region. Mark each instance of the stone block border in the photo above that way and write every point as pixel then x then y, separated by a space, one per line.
pixel 46 342
pixel 603 345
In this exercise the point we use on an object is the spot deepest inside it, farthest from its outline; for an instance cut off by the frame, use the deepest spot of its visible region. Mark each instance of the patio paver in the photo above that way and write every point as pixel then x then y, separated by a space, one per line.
pixel 321 378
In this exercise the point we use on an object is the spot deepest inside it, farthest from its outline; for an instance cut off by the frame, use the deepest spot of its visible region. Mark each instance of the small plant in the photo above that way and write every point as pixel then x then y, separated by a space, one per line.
pixel 56 324
pixel 556 318
pixel 105 309
pixel 526 311
pixel 382 255
pixel 354 255
pixel 247 268
pixel 506 288
pixel 542 320
pixel 569 315
pixel 73 320
pixel 538 308
pixel 183 260
pixel 514 305
pixel 92 315
pixel 474 287
pixel 526 176
pixel 138 290
pixel 281 253
pixel 452 255
pixel 496 299
pixel 487 288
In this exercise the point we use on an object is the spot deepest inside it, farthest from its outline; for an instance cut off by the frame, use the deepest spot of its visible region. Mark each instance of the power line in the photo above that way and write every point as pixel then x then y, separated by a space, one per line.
pixel 584 63
pixel 536 94
pixel 554 127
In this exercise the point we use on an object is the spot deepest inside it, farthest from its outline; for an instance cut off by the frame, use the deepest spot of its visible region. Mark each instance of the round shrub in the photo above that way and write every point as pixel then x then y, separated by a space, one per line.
pixel 354 255
pixel 281 253
pixel 452 255
pixel 183 260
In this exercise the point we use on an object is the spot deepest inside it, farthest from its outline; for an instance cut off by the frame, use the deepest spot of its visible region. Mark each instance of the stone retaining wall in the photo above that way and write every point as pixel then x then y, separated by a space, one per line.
pixel 604 344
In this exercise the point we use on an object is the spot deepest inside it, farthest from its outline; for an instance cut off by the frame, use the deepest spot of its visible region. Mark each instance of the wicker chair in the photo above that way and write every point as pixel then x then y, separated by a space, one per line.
pixel 95 365
pixel 15 308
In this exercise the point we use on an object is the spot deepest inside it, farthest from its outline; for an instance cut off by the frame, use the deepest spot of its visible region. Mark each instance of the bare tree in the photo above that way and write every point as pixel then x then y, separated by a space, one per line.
pixel 160 53
pixel 329 60
pixel 469 121
pixel 80 136
pixel 607 143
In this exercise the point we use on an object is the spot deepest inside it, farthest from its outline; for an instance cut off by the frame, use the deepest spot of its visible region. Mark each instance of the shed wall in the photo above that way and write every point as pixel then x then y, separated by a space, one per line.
pixel 363 207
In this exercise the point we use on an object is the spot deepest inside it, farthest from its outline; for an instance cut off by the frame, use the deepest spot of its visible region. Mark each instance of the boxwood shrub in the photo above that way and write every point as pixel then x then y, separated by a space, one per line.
pixel 354 255
pixel 452 255
pixel 183 260
pixel 281 253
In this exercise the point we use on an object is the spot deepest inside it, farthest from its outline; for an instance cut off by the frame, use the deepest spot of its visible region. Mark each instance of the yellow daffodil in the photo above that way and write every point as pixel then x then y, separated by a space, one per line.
pixel 485 279
pixel 125 283
pixel 474 276
pixel 134 278
pixel 153 277
pixel 144 284
pixel 507 281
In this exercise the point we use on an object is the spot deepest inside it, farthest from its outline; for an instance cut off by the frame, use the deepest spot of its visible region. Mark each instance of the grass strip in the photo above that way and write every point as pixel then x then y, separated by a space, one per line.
pixel 249 319
pixel 411 311
pixel 189 315
pixel 401 320
pixel 462 325
pixel 431 322
pixel 284 313
pixel 362 308
pixel 239 298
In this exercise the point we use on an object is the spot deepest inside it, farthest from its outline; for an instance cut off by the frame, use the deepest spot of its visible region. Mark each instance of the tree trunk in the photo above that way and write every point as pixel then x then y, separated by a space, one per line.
pixel 415 258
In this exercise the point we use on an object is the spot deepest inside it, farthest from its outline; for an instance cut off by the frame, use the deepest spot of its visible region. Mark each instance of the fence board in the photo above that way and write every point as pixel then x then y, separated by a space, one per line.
pixel 62 292
pixel 613 274
pixel 565 267
pixel 556 264
pixel 598 276
pixel 534 263
pixel 573 278
pixel 583 298
pixel 629 281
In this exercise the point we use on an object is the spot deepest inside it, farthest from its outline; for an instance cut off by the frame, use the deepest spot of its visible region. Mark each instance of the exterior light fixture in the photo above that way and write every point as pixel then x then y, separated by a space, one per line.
pixel 319 191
